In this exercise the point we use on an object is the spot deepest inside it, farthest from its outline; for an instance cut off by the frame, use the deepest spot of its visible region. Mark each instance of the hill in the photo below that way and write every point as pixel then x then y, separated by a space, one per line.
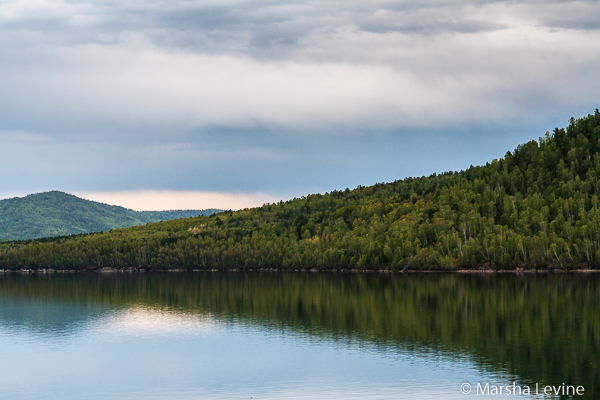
pixel 56 213
pixel 537 207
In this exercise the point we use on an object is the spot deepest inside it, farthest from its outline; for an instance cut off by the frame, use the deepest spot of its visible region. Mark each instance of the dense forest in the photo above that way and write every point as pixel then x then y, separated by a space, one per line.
pixel 57 214
pixel 537 207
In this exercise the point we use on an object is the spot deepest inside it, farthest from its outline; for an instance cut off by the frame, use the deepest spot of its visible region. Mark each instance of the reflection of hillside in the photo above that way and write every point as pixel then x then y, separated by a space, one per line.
pixel 541 328
pixel 49 318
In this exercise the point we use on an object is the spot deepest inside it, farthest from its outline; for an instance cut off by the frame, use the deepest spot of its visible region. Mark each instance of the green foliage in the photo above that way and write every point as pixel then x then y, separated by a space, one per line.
pixel 57 213
pixel 537 207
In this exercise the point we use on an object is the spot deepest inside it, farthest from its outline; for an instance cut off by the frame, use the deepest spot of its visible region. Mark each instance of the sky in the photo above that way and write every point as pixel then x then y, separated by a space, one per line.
pixel 156 104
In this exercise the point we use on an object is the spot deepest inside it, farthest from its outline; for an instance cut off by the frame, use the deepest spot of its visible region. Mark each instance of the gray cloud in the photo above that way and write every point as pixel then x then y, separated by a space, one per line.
pixel 282 96
pixel 276 29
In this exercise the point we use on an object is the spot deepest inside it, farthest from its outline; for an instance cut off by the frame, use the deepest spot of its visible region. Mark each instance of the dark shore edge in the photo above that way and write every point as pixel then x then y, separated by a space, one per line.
pixel 108 270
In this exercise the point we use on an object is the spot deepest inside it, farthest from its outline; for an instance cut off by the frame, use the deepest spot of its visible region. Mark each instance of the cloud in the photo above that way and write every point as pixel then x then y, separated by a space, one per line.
pixel 290 65
pixel 574 15
pixel 267 96
pixel 431 21
pixel 431 82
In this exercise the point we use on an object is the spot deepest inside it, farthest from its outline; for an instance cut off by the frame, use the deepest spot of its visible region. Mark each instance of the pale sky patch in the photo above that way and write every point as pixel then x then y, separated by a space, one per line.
pixel 161 200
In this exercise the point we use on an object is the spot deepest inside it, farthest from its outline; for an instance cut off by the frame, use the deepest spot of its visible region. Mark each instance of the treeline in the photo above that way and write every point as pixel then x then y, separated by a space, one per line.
pixel 536 207
pixel 58 214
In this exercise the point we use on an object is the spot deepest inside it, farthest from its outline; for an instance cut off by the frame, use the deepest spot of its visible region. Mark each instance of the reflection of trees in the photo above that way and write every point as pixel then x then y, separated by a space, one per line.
pixel 541 328
pixel 48 318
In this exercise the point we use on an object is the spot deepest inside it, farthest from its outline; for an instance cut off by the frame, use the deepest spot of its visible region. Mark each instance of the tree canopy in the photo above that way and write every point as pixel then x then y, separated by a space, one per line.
pixel 57 213
pixel 537 207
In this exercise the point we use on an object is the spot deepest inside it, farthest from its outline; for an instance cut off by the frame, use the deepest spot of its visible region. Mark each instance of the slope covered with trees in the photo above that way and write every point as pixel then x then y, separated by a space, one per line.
pixel 56 213
pixel 537 207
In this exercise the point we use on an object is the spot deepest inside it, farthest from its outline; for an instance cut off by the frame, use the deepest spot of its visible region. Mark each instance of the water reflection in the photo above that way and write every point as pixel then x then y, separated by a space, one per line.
pixel 141 320
pixel 47 317
pixel 535 329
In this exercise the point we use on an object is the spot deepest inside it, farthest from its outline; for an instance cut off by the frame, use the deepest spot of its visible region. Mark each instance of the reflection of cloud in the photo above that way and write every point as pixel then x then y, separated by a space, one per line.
pixel 141 320
pixel 56 319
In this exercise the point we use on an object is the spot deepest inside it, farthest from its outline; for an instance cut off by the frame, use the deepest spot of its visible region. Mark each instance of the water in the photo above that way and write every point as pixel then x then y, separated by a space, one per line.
pixel 295 335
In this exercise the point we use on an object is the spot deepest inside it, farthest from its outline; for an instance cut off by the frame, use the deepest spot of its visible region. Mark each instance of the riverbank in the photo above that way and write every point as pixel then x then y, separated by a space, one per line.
pixel 109 270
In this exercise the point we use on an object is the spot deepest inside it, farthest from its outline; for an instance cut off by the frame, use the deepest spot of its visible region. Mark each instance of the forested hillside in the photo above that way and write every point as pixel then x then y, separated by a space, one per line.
pixel 56 213
pixel 536 207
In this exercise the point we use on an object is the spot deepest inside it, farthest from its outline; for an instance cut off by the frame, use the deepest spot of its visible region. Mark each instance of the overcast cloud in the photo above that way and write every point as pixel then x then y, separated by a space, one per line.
pixel 280 98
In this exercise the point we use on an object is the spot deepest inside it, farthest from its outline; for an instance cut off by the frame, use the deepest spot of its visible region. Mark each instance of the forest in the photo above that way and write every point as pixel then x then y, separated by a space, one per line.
pixel 535 208
pixel 57 213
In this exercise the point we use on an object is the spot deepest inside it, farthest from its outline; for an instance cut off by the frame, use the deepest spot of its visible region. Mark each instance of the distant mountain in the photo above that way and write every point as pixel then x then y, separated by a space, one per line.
pixel 57 213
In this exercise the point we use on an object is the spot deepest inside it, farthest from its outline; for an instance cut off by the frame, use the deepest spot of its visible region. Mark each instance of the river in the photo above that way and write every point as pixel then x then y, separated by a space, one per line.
pixel 235 335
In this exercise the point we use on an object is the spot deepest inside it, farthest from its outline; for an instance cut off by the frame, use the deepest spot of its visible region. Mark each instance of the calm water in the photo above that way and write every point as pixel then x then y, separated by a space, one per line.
pixel 295 335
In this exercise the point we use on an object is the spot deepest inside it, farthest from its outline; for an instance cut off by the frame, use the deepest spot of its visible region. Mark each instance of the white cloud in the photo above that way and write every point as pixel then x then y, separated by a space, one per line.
pixel 423 82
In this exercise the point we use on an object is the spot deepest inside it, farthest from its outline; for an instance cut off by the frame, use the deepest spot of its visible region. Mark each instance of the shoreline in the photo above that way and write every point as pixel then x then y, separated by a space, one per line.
pixel 109 270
